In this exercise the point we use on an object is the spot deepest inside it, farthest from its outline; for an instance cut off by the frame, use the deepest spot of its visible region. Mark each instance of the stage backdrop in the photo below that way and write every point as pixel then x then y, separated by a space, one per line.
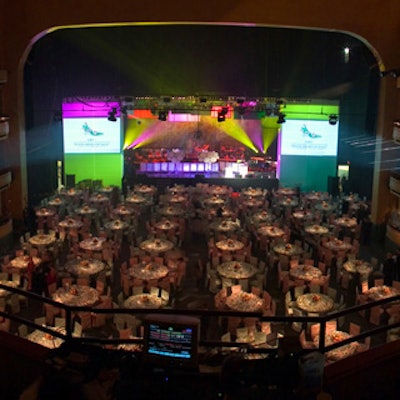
pixel 307 146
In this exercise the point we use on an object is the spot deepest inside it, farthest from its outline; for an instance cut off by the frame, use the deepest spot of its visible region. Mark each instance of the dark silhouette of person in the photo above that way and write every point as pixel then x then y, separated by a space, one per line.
pixel 388 269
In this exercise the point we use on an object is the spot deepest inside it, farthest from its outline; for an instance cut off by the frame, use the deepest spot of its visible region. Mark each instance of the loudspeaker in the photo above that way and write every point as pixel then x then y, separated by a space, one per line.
pixel 333 185
pixel 70 181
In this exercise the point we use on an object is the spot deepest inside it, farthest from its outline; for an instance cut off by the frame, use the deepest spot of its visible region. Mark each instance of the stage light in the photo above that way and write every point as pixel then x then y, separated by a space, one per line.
pixel 281 118
pixel 333 119
pixel 112 115
pixel 162 115
pixel 221 117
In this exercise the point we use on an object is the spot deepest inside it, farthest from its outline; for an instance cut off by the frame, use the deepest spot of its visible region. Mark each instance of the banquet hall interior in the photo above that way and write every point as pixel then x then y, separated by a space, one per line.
pixel 205 206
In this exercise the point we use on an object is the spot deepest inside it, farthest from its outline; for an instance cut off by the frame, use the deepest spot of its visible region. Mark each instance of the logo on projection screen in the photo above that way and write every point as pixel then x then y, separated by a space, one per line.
pixel 309 138
pixel 91 135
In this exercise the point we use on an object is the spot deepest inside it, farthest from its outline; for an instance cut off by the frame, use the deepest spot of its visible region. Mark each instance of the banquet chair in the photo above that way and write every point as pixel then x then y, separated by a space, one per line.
pixel 5 325
pixel 100 286
pixel 354 329
pixel 396 285
pixel 22 331
pixel 314 330
pixel 242 335
pixel 256 290
pixel 298 290
pixel 364 346
pixel 331 326
pixel 40 321
pixel 59 322
pixel 288 303
pixel 236 289
pixel 233 324
pixel 82 281
pixel 125 333
pixel 227 282
pixel 378 282
pixel 332 293
pixel 85 319
pixel 305 344
pixel 244 283
pixel 315 286
pixel 375 315
pixel 13 303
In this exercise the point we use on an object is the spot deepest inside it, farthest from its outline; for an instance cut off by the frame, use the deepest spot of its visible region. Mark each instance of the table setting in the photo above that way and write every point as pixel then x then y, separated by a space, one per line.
pixel 316 229
pixel 305 272
pixel 244 301
pixel 76 295
pixel 236 270
pixel 92 244
pixel 341 352
pixel 47 339
pixel 148 271
pixel 71 223
pixel 288 249
pixel 86 267
pixel 156 245
pixel 42 239
pixel 315 302
pixel 229 245
pixel 143 300
pixel 271 231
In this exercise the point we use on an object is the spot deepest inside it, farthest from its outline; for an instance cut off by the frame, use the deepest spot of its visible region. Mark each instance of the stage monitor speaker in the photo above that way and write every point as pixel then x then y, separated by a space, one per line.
pixel 70 181
pixel 333 185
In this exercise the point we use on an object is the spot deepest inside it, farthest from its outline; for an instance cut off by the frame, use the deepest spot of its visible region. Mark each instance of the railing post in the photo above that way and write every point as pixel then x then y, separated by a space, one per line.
pixel 68 323
pixel 322 330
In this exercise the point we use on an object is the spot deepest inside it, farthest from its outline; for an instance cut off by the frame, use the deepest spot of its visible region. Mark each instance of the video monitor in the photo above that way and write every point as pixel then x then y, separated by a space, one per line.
pixel 171 340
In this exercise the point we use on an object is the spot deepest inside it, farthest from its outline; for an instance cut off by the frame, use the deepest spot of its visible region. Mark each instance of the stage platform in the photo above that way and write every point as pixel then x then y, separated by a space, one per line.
pixel 161 181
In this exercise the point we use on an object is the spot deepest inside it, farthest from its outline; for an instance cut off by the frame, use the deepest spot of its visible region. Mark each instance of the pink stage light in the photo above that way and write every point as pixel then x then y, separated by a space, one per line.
pixel 89 109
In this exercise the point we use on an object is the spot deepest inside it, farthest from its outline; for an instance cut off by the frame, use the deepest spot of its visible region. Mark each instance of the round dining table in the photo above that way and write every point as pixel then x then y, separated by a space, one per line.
pixel 44 212
pixel 176 199
pixel 252 202
pixel 337 245
pixel 325 206
pixel 122 210
pixel 76 295
pixel 288 249
pixel 144 189
pixel 346 222
pixel 270 231
pixel 316 229
pixel 301 214
pixel 156 245
pixel 86 210
pixel 87 267
pixel 143 300
pixel 244 301
pixel 229 245
pixel 166 225
pixel 116 225
pixel 253 192
pixel 381 292
pixel 21 262
pixel 225 226
pixel 305 272
pixel 42 240
pixel 136 199
pixel 47 339
pixel 92 244
pixel 262 216
pixel 358 266
pixel 218 190
pixel 72 192
pixel 236 270
pixel 71 223
pixel 148 271
pixel 341 352
pixel 57 201
pixel 315 302
pixel 288 202
pixel 214 201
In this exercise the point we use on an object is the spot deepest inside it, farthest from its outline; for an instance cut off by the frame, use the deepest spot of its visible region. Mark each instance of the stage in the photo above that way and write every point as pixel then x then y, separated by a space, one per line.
pixel 163 180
